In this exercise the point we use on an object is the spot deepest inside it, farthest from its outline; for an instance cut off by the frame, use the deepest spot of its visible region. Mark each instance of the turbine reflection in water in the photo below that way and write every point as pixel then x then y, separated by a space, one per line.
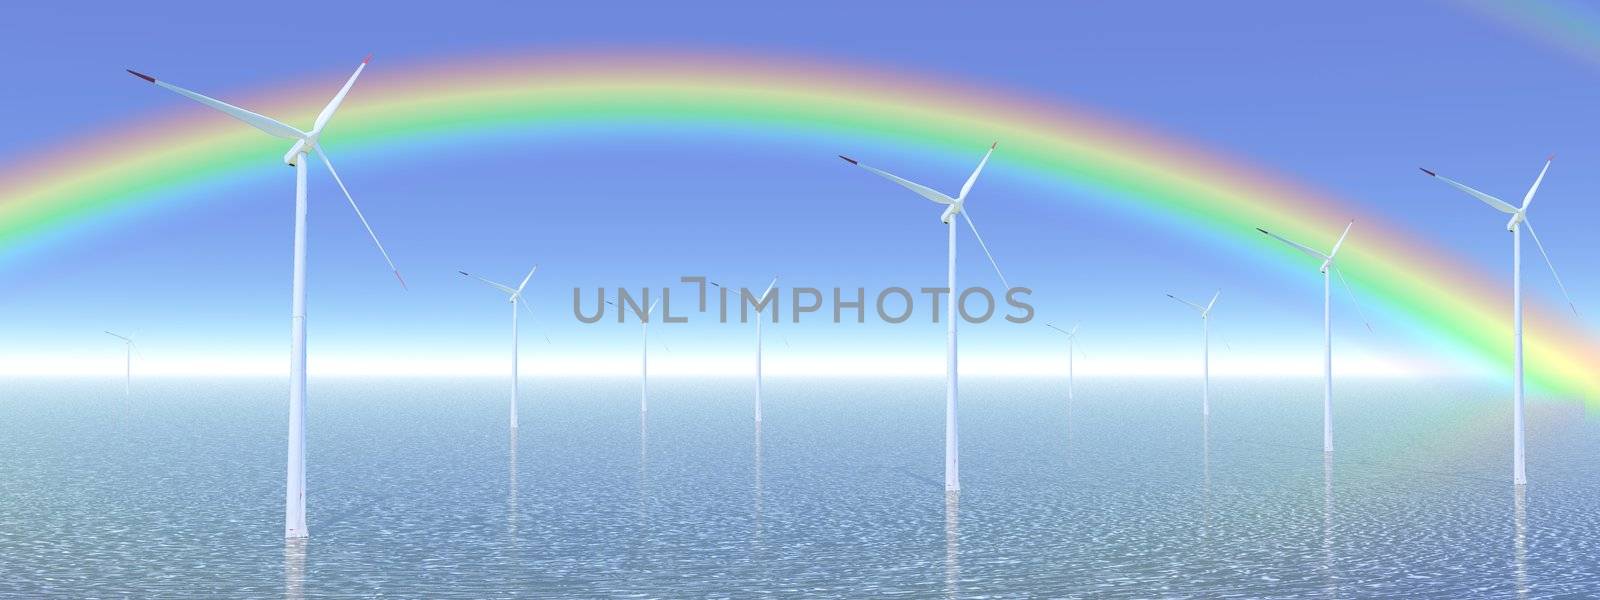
pixel 511 496
pixel 758 483
pixel 1520 518
pixel 1327 523
pixel 1205 477
pixel 952 544
pixel 294 568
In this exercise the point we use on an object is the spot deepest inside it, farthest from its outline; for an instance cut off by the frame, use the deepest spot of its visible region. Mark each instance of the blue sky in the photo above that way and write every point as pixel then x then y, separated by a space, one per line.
pixel 1347 98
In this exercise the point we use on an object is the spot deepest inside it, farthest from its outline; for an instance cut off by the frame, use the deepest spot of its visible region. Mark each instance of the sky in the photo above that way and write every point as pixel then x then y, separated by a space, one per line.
pixel 1347 99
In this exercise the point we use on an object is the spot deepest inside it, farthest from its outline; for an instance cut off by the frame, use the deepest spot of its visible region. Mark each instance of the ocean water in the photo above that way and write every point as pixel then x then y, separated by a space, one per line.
pixel 416 489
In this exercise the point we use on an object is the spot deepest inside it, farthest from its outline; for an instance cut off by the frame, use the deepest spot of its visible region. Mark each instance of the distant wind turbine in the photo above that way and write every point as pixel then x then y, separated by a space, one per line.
pixel 128 347
pixel 1327 322
pixel 1205 317
pixel 304 143
pixel 1519 218
pixel 1072 339
pixel 515 298
pixel 956 206
pixel 760 302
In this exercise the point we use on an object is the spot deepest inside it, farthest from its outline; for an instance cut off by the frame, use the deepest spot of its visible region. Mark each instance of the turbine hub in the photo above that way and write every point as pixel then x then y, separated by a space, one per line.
pixel 304 146
pixel 950 213
pixel 1516 219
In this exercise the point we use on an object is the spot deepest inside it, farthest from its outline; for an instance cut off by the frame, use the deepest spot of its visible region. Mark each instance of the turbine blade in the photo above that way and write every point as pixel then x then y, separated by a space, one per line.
pixel 267 124
pixel 769 289
pixel 119 337
pixel 1336 245
pixel 529 308
pixel 1528 199
pixel 1352 293
pixel 1497 203
pixel 973 178
pixel 985 247
pixel 924 191
pixel 492 284
pixel 363 218
pixel 1202 309
pixel 1074 331
pixel 525 280
pixel 1213 301
pixel 1552 266
pixel 333 105
pixel 1056 328
pixel 1296 246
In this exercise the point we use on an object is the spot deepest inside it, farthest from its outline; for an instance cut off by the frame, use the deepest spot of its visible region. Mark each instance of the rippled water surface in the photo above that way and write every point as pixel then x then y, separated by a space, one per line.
pixel 417 490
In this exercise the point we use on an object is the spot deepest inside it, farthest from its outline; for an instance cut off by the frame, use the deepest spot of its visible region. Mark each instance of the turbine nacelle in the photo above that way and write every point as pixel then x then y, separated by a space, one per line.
pixel 950 213
pixel 1516 219
pixel 304 146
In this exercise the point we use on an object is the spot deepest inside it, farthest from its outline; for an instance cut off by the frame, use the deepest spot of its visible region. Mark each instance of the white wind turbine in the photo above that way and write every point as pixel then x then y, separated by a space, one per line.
pixel 304 143
pixel 128 347
pixel 1205 364
pixel 1327 322
pixel 1072 339
pixel 515 298
pixel 1519 218
pixel 761 302
pixel 957 206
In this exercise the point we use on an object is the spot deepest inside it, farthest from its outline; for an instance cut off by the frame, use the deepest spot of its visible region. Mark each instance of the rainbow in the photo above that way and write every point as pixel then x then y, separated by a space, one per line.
pixel 66 191
pixel 1572 27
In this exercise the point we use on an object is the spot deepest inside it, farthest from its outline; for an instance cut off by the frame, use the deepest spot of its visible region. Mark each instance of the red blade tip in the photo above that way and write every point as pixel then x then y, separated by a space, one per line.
pixel 849 160
pixel 367 59
pixel 403 285
pixel 1430 173
pixel 1550 158
pixel 141 75
pixel 992 146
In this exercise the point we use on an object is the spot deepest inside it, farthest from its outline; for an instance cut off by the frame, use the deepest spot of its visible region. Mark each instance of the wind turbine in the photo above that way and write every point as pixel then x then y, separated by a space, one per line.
pixel 128 351
pixel 956 206
pixel 761 302
pixel 515 299
pixel 1205 317
pixel 294 517
pixel 1072 339
pixel 1327 323
pixel 1519 218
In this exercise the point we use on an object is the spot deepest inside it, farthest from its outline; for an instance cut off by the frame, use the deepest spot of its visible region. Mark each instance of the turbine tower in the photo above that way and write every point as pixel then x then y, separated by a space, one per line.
pixel 1205 360
pixel 128 345
pixel 515 298
pixel 955 206
pixel 294 517
pixel 1327 323
pixel 644 358
pixel 1519 218
pixel 1072 339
